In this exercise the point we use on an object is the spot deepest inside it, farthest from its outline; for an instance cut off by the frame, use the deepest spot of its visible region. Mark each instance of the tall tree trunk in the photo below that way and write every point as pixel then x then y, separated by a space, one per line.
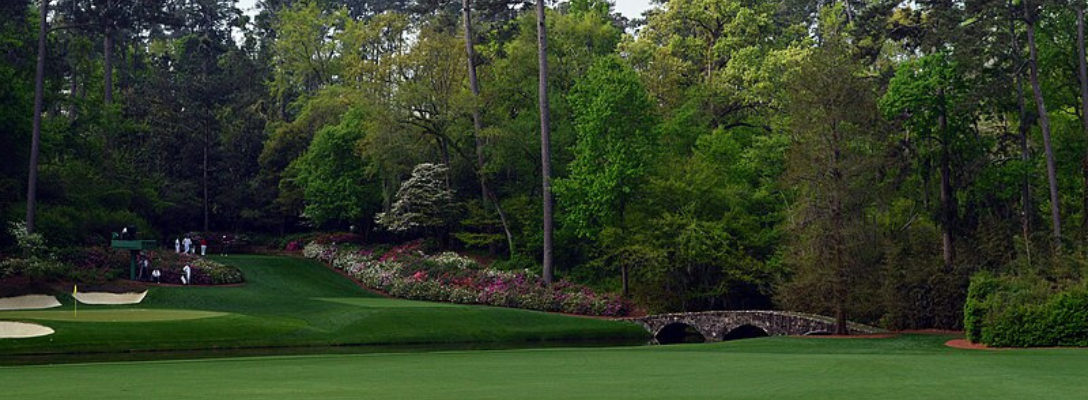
pixel 477 125
pixel 841 325
pixel 1082 65
pixel 624 262
pixel 205 168
pixel 1024 129
pixel 73 88
pixel 1025 157
pixel 444 148
pixel 1044 124
pixel 842 281
pixel 107 50
pixel 624 276
pixel 948 209
pixel 474 85
pixel 207 140
pixel 122 70
pixel 545 140
pixel 36 129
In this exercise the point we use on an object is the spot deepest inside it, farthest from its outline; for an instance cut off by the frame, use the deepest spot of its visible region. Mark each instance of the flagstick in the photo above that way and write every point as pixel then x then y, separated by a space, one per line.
pixel 75 302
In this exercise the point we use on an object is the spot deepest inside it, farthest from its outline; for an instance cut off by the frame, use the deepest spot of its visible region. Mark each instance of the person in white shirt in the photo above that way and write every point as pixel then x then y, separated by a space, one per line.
pixel 186 275
pixel 188 243
pixel 177 245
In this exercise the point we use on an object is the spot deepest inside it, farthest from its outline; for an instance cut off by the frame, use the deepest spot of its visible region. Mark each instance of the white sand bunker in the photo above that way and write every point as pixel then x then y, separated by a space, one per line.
pixel 28 302
pixel 110 298
pixel 18 330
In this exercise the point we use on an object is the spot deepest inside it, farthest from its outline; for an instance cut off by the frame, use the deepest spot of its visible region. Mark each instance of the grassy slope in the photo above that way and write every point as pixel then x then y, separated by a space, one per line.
pixel 910 367
pixel 295 302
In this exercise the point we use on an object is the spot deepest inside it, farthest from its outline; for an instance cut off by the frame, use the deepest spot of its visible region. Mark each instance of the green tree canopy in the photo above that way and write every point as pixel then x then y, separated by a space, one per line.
pixel 616 135
pixel 333 176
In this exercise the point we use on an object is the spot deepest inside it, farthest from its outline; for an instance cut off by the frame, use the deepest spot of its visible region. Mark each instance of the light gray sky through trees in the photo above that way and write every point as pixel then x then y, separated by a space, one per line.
pixel 629 8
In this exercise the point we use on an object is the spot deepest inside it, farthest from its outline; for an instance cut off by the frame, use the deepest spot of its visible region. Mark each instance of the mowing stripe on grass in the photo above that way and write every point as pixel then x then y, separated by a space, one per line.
pixel 381 302
pixel 900 368
pixel 118 315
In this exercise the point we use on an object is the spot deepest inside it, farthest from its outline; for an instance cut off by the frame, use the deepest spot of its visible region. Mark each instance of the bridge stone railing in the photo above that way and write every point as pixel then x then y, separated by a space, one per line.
pixel 714 325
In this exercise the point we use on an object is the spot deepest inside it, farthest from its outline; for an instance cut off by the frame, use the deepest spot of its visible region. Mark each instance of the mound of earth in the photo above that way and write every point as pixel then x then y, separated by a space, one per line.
pixel 966 344
pixel 13 286
pixel 117 286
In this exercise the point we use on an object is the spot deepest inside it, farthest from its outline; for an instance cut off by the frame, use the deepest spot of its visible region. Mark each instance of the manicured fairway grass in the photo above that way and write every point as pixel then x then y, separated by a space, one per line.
pixel 288 302
pixel 119 315
pixel 910 367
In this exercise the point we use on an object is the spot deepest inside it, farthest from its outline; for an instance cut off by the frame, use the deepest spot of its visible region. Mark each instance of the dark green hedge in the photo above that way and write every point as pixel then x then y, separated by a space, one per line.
pixel 1025 312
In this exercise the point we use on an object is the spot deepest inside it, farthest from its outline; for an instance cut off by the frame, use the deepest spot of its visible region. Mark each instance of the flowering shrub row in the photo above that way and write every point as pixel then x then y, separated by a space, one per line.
pixel 405 271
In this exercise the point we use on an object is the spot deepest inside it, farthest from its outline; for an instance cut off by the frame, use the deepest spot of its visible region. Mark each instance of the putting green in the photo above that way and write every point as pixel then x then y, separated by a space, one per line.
pixel 121 315
pixel 381 302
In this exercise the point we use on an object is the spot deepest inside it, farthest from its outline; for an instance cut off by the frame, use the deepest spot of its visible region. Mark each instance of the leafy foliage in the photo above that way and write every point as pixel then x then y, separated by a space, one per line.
pixel 614 121
pixel 203 271
pixel 832 119
pixel 423 201
pixel 38 260
pixel 333 178
pixel 1025 312
pixel 731 154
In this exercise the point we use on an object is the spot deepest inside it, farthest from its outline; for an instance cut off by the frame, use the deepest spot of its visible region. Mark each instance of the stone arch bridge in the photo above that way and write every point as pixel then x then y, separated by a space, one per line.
pixel 715 326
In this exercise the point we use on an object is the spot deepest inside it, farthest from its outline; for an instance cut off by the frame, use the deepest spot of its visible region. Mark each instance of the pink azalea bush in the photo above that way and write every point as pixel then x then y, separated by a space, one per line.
pixel 405 271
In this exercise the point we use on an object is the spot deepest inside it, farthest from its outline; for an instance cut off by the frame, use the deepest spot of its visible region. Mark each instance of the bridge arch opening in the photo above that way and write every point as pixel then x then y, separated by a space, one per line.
pixel 745 332
pixel 679 332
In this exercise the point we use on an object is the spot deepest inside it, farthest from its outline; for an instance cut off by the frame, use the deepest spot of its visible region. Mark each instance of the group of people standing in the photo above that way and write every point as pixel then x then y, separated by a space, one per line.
pixel 187 243
pixel 154 275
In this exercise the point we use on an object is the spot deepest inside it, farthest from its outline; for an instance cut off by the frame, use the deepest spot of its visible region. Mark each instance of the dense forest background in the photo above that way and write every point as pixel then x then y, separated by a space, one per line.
pixel 858 158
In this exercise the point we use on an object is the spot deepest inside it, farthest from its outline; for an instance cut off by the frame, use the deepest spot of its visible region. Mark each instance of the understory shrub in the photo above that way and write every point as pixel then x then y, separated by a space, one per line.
pixel 218 242
pixel 406 271
pixel 338 238
pixel 86 226
pixel 93 264
pixel 203 271
pixel 38 261
pixel 1025 312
